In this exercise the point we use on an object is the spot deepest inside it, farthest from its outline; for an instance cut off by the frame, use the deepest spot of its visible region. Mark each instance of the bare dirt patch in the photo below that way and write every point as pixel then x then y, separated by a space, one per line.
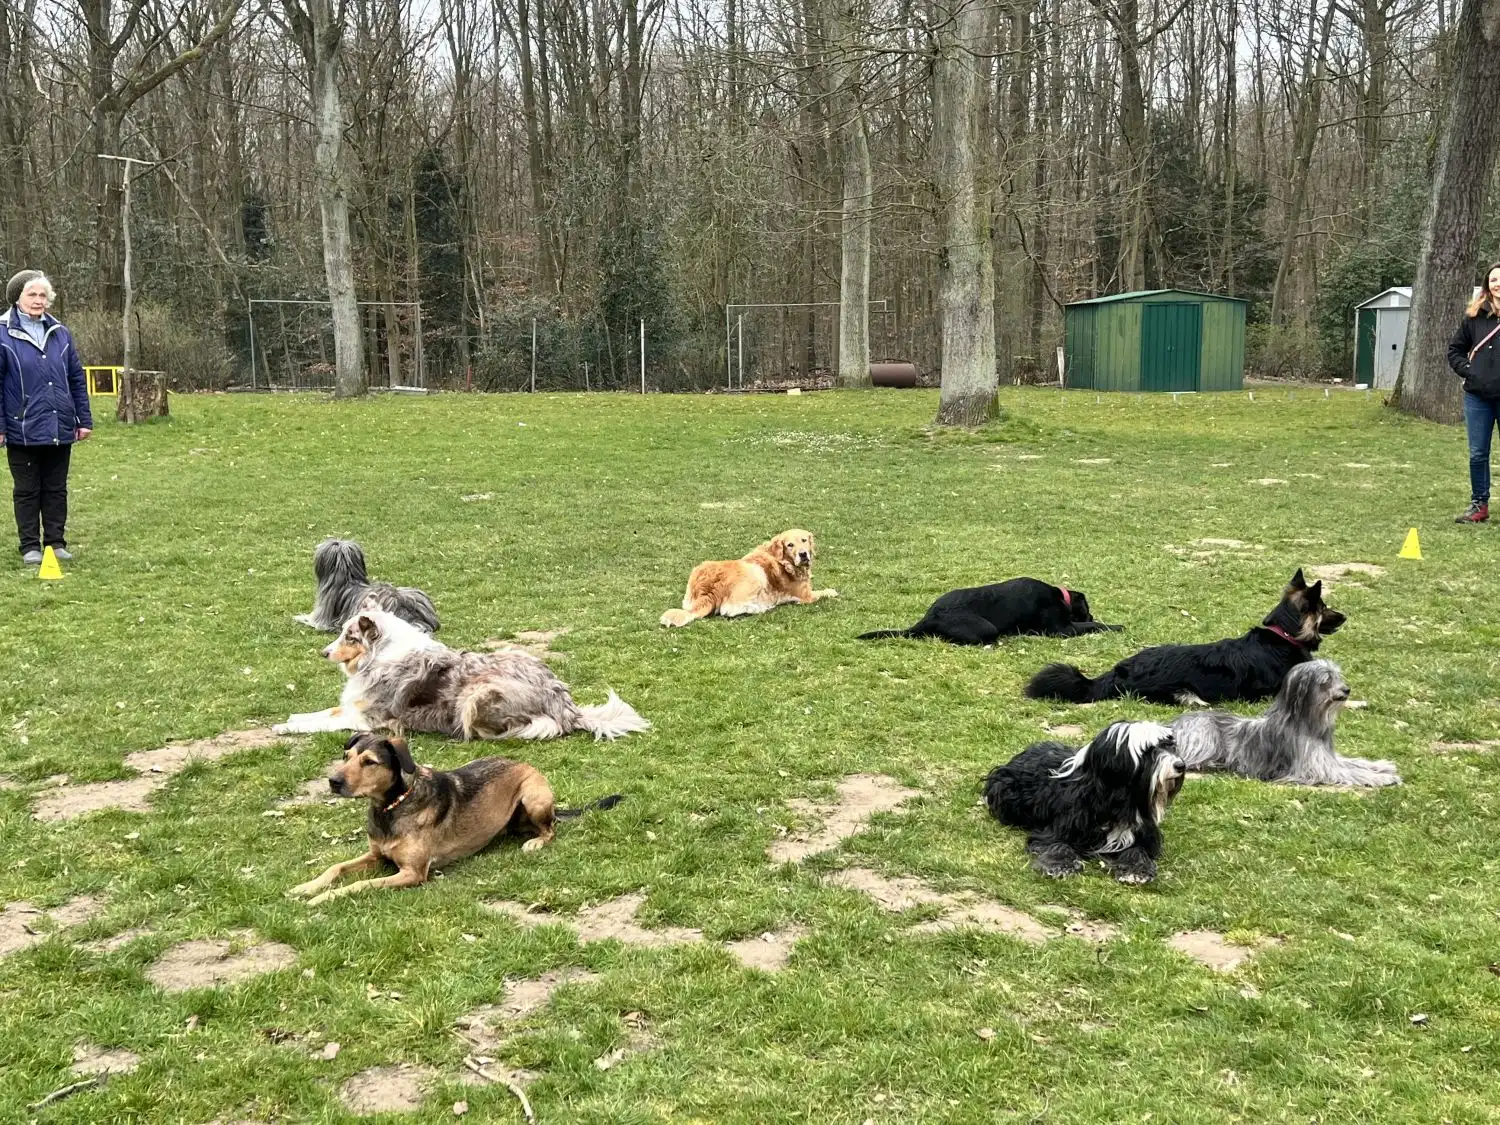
pixel 7 783
pixel 481 1027
pixel 962 910
pixel 118 941
pixel 211 963
pixel 312 792
pixel 89 1059
pixel 23 925
pixel 1093 460
pixel 387 1089
pixel 860 796
pixel 1267 481
pixel 1064 730
pixel 1337 572
pixel 538 642
pixel 613 919
pixel 638 1038
pixel 769 951
pixel 1212 949
pixel 1482 746
pixel 1229 544
pixel 65 802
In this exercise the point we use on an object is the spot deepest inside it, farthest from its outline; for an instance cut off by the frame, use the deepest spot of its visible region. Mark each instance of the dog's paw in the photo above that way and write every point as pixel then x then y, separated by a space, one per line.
pixel 535 844
pixel 302 890
pixel 1356 704
pixel 1134 878
pixel 303 619
pixel 283 728
pixel 321 899
pixel 820 594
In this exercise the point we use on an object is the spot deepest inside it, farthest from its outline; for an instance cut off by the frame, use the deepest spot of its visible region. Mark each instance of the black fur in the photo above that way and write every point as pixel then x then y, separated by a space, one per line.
pixel 1250 668
pixel 1105 801
pixel 601 804
pixel 980 614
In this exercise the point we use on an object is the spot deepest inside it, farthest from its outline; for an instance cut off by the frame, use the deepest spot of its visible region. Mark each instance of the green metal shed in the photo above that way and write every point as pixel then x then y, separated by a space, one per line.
pixel 1156 340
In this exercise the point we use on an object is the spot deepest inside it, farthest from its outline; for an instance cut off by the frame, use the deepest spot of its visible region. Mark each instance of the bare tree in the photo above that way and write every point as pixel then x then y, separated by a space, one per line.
pixel 1450 236
pixel 858 197
pixel 318 27
pixel 966 267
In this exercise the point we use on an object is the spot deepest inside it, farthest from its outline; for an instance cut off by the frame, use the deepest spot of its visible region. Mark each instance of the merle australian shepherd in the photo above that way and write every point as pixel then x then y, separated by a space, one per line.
pixel 980 614
pixel 1251 667
pixel 1104 801
pixel 344 584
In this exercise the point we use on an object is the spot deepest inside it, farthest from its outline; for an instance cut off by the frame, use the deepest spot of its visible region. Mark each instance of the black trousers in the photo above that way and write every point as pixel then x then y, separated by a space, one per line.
pixel 40 473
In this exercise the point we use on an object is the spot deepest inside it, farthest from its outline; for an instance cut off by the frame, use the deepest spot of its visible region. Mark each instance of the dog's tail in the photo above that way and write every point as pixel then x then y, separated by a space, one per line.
pixel 601 804
pixel 881 634
pixel 1065 682
pixel 611 719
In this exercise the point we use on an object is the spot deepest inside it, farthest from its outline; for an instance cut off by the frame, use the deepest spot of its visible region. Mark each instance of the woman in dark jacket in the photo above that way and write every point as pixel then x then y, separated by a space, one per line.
pixel 1474 355
pixel 46 403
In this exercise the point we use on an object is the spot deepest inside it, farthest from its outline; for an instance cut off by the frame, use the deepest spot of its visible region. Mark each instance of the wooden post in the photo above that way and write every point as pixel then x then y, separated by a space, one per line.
pixel 141 394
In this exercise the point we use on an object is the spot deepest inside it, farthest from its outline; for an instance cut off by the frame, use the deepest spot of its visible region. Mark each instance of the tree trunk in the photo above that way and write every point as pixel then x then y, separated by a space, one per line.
pixel 1306 140
pixel 140 396
pixel 854 276
pixel 966 267
pixel 320 35
pixel 1450 234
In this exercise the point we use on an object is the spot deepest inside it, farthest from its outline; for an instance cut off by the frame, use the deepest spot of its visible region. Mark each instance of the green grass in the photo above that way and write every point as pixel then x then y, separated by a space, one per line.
pixel 195 541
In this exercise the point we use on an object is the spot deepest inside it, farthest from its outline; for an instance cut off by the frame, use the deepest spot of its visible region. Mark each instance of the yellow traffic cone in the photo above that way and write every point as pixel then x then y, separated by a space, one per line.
pixel 51 571
pixel 1412 548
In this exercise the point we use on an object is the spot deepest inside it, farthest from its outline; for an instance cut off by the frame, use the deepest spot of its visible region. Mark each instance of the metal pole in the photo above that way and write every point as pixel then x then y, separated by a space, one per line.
pixel 421 352
pixel 643 355
pixel 533 355
pixel 586 375
pixel 740 328
pixel 250 318
pixel 728 359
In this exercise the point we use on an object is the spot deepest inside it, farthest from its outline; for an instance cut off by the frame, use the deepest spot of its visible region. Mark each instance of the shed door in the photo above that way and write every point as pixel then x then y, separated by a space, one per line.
pixel 1171 344
pixel 1390 341
pixel 1364 345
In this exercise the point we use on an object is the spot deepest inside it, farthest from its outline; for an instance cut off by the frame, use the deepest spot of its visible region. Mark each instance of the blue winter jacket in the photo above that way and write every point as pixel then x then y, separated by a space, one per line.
pixel 42 390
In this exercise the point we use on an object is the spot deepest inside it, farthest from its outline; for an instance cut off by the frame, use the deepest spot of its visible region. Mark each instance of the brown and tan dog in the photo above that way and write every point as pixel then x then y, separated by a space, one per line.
pixel 771 575
pixel 421 819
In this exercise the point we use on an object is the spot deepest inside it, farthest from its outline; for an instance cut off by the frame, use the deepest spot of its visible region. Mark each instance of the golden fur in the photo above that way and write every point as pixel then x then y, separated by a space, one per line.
pixel 773 574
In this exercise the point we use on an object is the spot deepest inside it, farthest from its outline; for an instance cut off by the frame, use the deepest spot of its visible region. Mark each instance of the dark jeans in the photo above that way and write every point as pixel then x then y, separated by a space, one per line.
pixel 41 476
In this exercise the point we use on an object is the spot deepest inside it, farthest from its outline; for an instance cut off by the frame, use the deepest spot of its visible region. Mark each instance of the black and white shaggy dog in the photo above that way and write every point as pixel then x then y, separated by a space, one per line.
pixel 1292 742
pixel 1104 801
pixel 1251 667
pixel 980 614
pixel 344 584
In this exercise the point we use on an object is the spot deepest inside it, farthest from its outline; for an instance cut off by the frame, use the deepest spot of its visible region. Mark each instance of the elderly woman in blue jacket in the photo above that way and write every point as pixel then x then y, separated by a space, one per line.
pixel 46 404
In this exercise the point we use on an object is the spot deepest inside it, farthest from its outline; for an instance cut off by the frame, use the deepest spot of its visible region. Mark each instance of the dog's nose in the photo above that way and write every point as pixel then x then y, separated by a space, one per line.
pixel 336 784
pixel 1179 767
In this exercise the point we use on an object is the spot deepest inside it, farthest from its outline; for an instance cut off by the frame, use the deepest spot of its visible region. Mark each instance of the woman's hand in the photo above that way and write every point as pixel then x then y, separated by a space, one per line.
pixel 82 434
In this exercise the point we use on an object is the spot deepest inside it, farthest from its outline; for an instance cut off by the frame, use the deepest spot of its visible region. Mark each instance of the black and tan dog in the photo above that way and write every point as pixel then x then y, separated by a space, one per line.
pixel 422 819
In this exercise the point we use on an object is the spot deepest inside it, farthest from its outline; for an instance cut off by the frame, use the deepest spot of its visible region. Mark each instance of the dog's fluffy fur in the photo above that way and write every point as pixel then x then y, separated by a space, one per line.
pixel 773 574
pixel 344 584
pixel 1292 742
pixel 421 819
pixel 402 679
pixel 1251 667
pixel 1103 801
pixel 980 614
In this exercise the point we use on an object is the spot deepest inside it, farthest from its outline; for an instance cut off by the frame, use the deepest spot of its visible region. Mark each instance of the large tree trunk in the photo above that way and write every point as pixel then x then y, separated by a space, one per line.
pixel 320 34
pixel 854 271
pixel 1450 234
pixel 966 267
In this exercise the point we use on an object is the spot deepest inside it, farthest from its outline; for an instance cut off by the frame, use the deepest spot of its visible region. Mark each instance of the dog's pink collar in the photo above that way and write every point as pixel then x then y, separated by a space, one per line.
pixel 1067 597
pixel 1284 635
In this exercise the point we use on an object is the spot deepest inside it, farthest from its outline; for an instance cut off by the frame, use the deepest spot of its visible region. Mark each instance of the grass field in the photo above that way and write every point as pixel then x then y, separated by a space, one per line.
pixel 1371 995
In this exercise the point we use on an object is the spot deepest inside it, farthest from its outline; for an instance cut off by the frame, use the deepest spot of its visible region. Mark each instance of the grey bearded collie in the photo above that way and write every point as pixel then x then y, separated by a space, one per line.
pixel 344 584
pixel 1292 742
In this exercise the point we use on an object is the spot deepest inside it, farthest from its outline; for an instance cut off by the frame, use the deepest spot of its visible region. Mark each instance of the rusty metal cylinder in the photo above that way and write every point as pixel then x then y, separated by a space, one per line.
pixel 893 374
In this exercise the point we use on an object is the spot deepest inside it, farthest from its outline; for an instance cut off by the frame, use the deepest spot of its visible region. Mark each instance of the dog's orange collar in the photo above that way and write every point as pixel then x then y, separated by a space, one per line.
pixel 397 801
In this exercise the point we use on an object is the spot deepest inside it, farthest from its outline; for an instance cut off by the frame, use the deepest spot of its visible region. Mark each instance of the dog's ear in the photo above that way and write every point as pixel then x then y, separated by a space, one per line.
pixel 402 752
pixel 779 546
pixel 812 549
pixel 1297 582
pixel 353 738
pixel 367 627
pixel 368 602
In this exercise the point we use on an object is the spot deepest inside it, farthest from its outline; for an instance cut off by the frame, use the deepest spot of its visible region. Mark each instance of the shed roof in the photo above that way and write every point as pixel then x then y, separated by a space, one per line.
pixel 1403 292
pixel 1152 293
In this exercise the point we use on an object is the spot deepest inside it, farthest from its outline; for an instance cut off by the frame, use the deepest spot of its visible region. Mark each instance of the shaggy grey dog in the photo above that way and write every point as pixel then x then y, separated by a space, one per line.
pixel 1292 742
pixel 344 584
pixel 402 679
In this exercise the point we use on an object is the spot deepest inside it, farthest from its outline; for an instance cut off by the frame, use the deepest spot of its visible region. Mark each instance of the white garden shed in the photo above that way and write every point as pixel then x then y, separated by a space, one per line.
pixel 1380 336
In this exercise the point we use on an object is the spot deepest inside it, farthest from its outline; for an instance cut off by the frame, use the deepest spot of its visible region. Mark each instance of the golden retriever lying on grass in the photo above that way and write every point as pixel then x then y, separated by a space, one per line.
pixel 774 573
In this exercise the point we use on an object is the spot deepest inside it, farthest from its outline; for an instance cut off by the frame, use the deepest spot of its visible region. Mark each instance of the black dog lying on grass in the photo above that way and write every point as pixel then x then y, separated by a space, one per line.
pixel 1104 801
pixel 981 614
pixel 1251 667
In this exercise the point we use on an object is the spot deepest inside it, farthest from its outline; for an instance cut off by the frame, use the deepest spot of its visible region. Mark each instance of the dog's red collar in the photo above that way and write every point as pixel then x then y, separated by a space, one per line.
pixel 1284 635
pixel 1067 597
pixel 405 794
